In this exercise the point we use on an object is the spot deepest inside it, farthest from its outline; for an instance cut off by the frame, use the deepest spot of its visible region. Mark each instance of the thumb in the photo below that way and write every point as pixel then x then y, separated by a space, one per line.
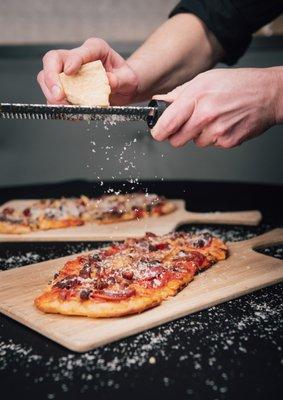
pixel 123 80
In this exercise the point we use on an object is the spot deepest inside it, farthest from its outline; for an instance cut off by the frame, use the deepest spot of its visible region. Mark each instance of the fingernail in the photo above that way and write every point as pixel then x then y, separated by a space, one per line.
pixel 56 91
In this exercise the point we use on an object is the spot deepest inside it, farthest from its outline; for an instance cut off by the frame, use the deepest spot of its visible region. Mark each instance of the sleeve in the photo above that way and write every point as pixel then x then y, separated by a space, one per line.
pixel 232 21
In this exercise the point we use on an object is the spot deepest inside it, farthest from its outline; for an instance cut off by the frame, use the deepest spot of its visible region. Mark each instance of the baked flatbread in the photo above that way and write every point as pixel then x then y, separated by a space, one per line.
pixel 66 212
pixel 130 277
pixel 89 87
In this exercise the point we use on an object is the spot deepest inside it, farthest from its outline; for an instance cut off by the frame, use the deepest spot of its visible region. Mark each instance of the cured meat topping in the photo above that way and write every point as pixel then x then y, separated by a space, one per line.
pixel 85 272
pixel 85 294
pixel 8 211
pixel 120 270
pixel 130 277
pixel 202 240
pixel 67 283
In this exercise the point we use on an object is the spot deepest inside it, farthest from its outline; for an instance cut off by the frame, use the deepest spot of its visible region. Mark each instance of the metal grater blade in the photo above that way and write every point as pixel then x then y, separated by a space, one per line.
pixel 73 113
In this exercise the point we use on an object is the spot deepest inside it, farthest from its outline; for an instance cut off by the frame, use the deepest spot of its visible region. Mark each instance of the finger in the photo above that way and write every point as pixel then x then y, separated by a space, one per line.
pixel 185 134
pixel 205 139
pixel 173 118
pixel 44 88
pixel 199 127
pixel 221 133
pixel 46 92
pixel 212 130
pixel 93 49
pixel 73 62
pixel 126 80
pixel 170 96
pixel 230 140
pixel 53 63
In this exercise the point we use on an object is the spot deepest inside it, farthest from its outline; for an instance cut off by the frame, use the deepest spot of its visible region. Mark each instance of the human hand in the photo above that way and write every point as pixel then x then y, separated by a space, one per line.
pixel 122 79
pixel 221 107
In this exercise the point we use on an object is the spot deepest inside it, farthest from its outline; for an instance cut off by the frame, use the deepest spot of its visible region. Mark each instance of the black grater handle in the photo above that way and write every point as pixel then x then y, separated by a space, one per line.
pixel 153 115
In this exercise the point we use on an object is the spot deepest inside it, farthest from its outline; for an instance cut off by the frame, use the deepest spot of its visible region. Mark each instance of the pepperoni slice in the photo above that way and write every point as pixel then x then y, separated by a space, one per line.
pixel 114 295
pixel 158 209
pixel 69 282
pixel 158 280
pixel 153 272
pixel 27 212
pixel 185 265
pixel 82 259
pixel 128 275
pixel 196 257
pixel 110 251
pixel 74 266
pixel 192 261
pixel 158 246
pixel 8 210
pixel 150 234
pixel 139 213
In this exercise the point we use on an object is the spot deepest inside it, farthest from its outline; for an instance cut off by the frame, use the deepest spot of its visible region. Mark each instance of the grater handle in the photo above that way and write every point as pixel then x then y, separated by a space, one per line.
pixel 159 106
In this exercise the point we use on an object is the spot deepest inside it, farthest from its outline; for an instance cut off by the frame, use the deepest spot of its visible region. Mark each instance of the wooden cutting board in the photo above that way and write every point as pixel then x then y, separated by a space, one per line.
pixel 243 272
pixel 137 228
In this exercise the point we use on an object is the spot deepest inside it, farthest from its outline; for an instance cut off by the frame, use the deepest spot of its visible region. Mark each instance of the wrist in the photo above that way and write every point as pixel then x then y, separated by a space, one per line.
pixel 278 98
pixel 138 66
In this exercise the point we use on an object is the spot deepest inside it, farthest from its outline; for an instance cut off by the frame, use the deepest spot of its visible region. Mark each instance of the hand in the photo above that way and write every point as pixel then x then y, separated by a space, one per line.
pixel 122 79
pixel 221 107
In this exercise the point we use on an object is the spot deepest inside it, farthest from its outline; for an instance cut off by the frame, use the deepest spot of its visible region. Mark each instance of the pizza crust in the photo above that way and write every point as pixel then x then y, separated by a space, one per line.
pixel 49 302
pixel 10 228
pixel 89 87
pixel 46 224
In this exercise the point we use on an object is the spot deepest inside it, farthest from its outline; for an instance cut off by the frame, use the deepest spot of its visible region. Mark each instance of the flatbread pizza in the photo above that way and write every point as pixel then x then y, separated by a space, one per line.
pixel 129 277
pixel 48 214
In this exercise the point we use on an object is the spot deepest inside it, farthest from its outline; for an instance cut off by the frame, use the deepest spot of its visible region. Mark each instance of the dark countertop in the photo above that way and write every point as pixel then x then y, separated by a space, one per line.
pixel 231 351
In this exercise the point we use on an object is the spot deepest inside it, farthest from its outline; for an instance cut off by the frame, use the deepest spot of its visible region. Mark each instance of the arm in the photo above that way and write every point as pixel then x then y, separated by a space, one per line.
pixel 199 33
pixel 225 107
pixel 176 52
pixel 180 49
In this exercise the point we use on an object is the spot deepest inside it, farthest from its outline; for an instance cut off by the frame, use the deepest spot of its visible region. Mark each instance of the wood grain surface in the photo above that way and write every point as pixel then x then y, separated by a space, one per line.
pixel 136 228
pixel 244 271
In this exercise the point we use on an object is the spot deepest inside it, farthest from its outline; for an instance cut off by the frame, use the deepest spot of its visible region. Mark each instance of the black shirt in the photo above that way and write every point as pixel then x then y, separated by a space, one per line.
pixel 232 21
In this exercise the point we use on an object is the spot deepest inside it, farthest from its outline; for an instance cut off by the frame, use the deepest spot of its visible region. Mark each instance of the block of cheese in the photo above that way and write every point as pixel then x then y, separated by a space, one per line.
pixel 89 87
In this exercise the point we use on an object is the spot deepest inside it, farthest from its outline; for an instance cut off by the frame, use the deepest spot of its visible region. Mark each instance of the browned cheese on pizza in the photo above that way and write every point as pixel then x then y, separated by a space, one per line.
pixel 130 277
pixel 89 87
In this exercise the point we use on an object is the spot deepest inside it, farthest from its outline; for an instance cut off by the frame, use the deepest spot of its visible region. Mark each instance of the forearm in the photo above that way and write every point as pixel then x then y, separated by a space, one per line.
pixel 278 71
pixel 176 52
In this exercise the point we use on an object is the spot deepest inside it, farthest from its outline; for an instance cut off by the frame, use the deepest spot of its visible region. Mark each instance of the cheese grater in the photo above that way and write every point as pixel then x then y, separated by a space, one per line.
pixel 110 114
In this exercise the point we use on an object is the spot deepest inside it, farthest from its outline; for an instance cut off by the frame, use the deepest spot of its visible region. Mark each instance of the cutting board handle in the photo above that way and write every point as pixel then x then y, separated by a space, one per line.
pixel 252 217
pixel 270 238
